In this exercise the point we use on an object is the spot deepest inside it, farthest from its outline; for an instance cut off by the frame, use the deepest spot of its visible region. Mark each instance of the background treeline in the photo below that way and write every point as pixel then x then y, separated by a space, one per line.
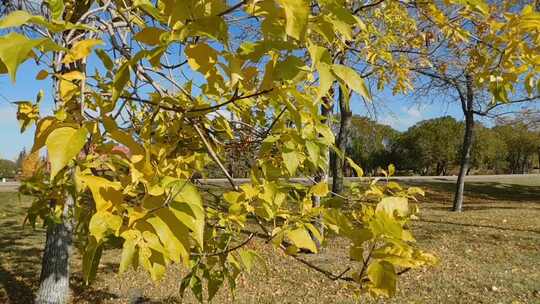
pixel 432 147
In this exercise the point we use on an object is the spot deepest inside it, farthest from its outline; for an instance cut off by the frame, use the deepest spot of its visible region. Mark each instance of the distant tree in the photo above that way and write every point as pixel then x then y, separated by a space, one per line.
pixel 489 150
pixel 370 143
pixel 431 146
pixel 20 159
pixel 522 144
pixel 480 62
pixel 8 168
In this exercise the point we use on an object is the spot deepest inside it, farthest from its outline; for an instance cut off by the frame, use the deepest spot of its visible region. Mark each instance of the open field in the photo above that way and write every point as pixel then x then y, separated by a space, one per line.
pixel 489 254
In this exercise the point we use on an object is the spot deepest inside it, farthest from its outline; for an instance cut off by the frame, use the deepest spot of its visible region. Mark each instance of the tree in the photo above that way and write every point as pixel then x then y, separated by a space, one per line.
pixel 431 146
pixel 20 159
pixel 478 57
pixel 371 144
pixel 8 168
pixel 489 150
pixel 163 71
pixel 522 144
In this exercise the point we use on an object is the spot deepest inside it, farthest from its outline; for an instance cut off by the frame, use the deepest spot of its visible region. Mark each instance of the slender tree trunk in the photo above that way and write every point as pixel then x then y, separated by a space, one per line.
pixel 55 272
pixel 341 142
pixel 322 175
pixel 54 278
pixel 467 105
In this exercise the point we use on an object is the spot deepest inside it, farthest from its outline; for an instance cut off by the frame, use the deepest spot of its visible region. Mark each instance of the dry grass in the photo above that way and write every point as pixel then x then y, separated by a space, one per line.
pixel 489 254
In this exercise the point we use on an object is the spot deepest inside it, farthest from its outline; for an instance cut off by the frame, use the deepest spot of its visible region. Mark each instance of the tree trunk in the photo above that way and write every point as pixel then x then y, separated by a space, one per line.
pixel 54 278
pixel 467 106
pixel 341 142
pixel 322 175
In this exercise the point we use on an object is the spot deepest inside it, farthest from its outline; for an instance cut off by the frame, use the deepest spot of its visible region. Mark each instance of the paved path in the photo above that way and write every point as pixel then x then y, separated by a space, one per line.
pixel 12 186
pixel 9 186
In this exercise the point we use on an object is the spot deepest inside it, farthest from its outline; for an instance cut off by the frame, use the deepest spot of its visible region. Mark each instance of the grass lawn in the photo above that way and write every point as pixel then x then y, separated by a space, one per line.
pixel 488 254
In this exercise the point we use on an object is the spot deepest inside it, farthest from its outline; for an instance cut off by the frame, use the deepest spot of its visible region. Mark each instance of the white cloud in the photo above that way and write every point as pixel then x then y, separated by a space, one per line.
pixel 405 118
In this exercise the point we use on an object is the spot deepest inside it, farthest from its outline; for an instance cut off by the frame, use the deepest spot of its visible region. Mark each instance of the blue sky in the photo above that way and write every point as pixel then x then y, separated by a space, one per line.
pixel 26 88
pixel 400 112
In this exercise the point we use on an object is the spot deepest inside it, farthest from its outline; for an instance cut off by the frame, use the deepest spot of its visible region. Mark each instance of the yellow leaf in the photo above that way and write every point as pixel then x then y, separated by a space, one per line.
pixel 356 168
pixel 320 189
pixel 188 208
pixel 301 239
pixel 63 144
pixel 383 277
pixel 149 35
pixel 297 14
pixel 105 193
pixel 351 78
pixel 398 204
pixel 42 75
pixel 326 79
pixel 201 57
pixel 44 127
pixel 68 88
pixel 81 50
pixel 291 160
pixel 103 223
pixel 391 170
pixel 172 233
pixel 16 49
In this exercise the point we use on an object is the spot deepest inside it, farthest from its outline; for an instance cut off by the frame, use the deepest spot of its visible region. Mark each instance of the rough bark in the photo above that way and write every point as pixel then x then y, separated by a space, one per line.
pixel 54 278
pixel 468 107
pixel 341 143
pixel 55 272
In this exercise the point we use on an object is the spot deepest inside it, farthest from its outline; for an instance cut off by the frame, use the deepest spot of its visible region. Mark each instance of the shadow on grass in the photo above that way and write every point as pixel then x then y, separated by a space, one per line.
pixel 489 190
pixel 21 248
pixel 19 266
pixel 17 290
pixel 479 226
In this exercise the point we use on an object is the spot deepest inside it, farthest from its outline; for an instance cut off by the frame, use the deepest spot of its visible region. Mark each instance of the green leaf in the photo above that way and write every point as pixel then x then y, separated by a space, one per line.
pixel 121 78
pixel 318 54
pixel 289 69
pixel 129 254
pixel 291 161
pixel 16 49
pixel 107 61
pixel 326 79
pixel 297 14
pixel 172 233
pixel 188 208
pixel 248 258
pixel 91 258
pixel 351 78
pixel 63 144
pixel 383 277
pixel 301 239
pixel 215 281
pixel 57 9
pixel 313 152
pixel 18 18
